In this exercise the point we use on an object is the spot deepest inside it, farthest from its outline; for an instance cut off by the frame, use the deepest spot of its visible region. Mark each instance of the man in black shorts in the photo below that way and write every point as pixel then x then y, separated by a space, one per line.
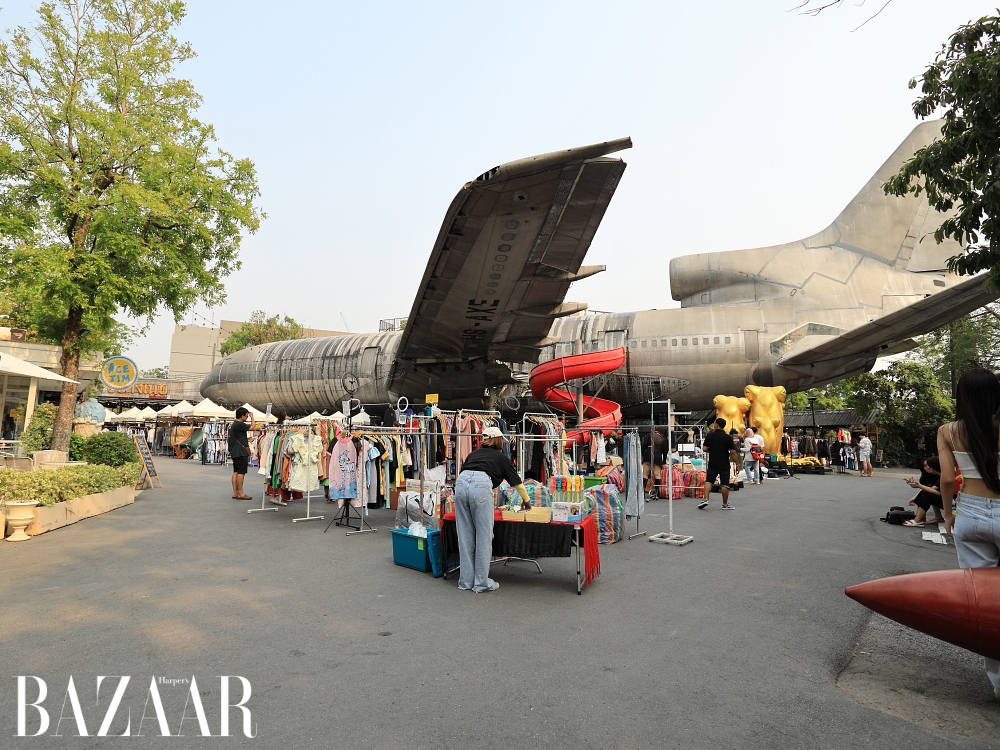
pixel 719 449
pixel 239 450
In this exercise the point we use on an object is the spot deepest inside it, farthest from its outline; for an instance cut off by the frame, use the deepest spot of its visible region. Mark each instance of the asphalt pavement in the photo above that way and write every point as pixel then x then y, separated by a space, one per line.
pixel 735 640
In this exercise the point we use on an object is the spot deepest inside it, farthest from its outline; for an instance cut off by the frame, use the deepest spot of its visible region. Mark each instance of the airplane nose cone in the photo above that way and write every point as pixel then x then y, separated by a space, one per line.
pixel 211 386
pixel 958 606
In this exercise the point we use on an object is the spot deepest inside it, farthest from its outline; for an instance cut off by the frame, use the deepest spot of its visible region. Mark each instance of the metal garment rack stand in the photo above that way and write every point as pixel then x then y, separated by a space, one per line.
pixel 671 538
pixel 263 500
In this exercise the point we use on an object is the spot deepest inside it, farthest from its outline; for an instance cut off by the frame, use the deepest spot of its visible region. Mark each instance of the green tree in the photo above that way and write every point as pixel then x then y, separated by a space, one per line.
pixel 913 406
pixel 827 397
pixel 261 329
pixel 113 196
pixel 156 372
pixel 37 435
pixel 961 170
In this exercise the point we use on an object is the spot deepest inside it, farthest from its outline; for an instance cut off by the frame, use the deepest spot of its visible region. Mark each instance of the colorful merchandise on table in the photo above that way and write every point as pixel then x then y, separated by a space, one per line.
pixel 609 513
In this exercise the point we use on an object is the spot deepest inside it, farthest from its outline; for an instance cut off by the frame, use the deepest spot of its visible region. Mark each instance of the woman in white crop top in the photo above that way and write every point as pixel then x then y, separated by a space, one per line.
pixel 972 444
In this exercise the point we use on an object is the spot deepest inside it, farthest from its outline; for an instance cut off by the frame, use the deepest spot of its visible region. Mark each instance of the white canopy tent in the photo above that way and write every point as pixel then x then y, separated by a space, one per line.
pixel 148 413
pixel 130 415
pixel 259 416
pixel 208 409
pixel 309 419
pixel 183 409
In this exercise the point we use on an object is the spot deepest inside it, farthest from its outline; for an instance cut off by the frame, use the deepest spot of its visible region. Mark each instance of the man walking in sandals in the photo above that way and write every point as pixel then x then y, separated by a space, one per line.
pixel 239 450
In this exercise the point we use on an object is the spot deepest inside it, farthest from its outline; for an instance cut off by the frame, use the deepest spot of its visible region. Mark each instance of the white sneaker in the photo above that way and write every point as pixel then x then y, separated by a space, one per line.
pixel 729 507
pixel 703 504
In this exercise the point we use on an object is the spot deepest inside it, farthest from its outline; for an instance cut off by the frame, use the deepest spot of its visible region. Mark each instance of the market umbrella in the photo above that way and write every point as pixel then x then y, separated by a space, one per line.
pixel 148 413
pixel 208 409
pixel 14 366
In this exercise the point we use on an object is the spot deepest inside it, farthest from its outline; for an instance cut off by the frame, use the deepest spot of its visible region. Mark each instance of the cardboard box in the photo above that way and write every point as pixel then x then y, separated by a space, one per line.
pixel 574 512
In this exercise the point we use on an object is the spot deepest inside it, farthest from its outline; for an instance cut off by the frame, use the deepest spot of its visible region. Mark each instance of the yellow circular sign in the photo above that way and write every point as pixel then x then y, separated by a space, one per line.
pixel 119 372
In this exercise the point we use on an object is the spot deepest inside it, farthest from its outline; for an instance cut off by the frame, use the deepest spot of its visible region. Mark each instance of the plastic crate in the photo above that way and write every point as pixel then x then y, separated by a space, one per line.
pixel 411 551
pixel 436 553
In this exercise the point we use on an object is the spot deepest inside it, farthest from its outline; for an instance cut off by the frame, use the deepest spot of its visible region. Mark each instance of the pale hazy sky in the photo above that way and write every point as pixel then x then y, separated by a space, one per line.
pixel 751 126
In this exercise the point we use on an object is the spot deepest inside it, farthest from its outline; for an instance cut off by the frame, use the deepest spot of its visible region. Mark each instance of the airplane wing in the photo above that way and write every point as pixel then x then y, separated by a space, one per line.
pixel 916 319
pixel 512 242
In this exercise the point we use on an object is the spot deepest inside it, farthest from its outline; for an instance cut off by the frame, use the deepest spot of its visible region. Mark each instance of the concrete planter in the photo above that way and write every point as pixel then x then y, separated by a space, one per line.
pixel 49 517
pixel 20 516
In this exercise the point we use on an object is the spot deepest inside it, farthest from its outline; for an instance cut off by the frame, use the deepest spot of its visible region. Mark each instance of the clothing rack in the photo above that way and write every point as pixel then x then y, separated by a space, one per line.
pixel 309 436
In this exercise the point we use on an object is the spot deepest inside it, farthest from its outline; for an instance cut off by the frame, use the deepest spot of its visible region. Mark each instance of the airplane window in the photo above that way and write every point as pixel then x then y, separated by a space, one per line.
pixel 694 341
pixel 644 343
pixel 716 340
pixel 684 342
pixel 631 344
pixel 664 342
pixel 727 339
pixel 673 342
pixel 653 342
pixel 705 341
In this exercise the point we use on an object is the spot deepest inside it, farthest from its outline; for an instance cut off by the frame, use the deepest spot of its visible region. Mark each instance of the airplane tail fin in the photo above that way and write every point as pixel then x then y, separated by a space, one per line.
pixel 889 231
pixel 897 229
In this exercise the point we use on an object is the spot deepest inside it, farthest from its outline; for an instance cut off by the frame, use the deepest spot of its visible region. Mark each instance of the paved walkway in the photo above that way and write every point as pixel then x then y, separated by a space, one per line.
pixel 736 640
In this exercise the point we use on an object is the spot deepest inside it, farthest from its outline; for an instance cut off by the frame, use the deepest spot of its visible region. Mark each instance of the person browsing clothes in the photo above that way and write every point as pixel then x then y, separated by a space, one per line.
pixel 482 471
pixel 720 449
pixel 239 450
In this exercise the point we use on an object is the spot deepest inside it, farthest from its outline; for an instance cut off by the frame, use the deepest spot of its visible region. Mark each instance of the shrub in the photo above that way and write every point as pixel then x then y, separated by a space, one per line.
pixel 76 447
pixel 110 449
pixel 49 487
pixel 37 436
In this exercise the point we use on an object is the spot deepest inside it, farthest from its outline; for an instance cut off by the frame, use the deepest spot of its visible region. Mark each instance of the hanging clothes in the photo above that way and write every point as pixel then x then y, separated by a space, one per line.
pixel 343 472
pixel 634 494
pixel 305 454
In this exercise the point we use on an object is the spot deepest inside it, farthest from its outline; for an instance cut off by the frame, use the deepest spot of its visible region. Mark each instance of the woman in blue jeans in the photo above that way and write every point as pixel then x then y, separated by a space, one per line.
pixel 482 471
pixel 972 443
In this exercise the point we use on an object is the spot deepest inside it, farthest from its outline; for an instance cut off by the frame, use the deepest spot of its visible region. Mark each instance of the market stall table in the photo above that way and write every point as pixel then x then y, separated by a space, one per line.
pixel 529 540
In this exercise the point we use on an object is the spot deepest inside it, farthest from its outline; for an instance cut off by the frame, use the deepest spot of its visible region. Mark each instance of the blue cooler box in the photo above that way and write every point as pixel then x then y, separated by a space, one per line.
pixel 412 551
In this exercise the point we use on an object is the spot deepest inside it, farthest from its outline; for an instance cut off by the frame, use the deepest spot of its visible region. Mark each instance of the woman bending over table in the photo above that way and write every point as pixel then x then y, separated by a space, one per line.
pixel 482 472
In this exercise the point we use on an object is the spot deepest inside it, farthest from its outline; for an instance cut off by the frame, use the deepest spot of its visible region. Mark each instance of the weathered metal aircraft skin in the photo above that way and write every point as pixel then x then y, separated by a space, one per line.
pixel 491 303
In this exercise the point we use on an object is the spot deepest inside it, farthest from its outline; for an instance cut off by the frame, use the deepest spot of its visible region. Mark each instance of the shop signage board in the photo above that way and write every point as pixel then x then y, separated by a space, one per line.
pixel 149 473
pixel 431 398
pixel 119 372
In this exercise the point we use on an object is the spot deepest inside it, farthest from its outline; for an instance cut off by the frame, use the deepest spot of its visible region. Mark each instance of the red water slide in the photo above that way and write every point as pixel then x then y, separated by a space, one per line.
pixel 599 413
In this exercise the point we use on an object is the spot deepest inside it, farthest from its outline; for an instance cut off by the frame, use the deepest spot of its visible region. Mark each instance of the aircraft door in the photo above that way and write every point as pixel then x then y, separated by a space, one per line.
pixel 370 362
pixel 614 339
pixel 751 348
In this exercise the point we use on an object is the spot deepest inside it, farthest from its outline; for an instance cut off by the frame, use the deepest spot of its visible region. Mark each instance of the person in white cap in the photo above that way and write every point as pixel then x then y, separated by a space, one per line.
pixel 482 471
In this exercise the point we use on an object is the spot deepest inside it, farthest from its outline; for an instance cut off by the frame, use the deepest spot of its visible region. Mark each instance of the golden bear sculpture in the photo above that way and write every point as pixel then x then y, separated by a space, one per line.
pixel 767 414
pixel 734 410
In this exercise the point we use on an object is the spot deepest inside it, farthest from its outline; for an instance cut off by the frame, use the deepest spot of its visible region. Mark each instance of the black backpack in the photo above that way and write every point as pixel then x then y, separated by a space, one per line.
pixel 897 515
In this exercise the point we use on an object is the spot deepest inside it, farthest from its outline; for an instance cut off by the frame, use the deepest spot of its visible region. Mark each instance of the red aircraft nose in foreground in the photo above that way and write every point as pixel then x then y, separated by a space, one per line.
pixel 958 606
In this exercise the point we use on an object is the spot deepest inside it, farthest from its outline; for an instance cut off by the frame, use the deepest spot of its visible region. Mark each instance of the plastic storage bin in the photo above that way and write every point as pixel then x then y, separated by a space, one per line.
pixel 412 551
pixel 589 482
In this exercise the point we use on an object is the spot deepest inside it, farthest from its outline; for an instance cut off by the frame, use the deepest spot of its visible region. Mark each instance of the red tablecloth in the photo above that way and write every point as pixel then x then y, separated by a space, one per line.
pixel 588 528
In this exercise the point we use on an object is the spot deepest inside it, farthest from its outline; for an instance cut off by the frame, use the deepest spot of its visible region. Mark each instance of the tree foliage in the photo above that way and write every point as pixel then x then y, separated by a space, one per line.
pixel 829 397
pixel 113 196
pixel 913 406
pixel 156 372
pixel 37 435
pixel 261 329
pixel 961 171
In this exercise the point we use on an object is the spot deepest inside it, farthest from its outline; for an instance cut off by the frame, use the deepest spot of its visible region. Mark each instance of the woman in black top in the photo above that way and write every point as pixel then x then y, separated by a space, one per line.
pixel 482 471
pixel 929 495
